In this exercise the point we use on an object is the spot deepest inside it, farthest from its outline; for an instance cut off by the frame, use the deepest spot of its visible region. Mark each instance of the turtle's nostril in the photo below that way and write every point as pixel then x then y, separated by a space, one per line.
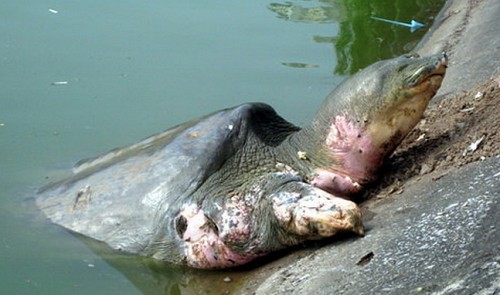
pixel 180 225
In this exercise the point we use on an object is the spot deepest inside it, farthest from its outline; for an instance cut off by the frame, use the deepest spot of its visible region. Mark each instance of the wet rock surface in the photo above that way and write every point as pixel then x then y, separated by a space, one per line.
pixel 432 220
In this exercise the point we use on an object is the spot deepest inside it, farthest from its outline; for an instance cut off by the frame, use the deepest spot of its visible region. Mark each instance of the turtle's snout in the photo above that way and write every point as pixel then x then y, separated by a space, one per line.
pixel 437 72
pixel 444 58
pixel 441 64
pixel 436 68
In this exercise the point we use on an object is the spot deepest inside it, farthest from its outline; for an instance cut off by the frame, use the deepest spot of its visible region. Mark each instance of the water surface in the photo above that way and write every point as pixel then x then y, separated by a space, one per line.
pixel 79 78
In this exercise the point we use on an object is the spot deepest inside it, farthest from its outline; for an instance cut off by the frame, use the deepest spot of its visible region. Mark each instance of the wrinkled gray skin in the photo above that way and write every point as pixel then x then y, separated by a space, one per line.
pixel 237 184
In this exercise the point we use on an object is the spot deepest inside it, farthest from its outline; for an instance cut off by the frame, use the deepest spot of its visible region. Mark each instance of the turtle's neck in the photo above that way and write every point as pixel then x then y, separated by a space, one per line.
pixel 362 121
pixel 307 145
pixel 334 153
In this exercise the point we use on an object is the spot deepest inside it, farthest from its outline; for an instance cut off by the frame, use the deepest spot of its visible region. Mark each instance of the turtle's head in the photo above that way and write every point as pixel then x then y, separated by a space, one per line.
pixel 364 119
pixel 400 98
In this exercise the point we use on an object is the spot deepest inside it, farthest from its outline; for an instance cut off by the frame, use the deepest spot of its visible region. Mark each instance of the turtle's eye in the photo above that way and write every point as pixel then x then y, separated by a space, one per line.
pixel 401 68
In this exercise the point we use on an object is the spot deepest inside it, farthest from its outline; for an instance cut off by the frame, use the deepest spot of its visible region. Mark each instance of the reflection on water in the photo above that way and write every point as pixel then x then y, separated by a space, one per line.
pixel 361 40
pixel 156 277
pixel 330 13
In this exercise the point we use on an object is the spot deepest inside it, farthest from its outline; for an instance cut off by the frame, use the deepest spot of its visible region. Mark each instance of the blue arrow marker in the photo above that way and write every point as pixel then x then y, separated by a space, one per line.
pixel 414 25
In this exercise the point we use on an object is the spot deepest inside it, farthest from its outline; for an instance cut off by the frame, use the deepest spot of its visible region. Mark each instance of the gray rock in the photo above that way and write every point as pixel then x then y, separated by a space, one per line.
pixel 437 237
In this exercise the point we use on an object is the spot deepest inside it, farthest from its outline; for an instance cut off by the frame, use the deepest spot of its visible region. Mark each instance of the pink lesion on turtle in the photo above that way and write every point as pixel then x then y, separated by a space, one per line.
pixel 354 156
pixel 206 246
pixel 235 223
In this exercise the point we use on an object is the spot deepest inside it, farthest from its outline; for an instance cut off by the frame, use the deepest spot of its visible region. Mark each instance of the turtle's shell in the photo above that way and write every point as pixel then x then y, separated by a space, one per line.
pixel 122 197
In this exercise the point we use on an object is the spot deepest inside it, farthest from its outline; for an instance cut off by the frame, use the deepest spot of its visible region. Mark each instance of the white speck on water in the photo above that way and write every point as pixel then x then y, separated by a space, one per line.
pixel 53 11
pixel 230 127
pixel 60 83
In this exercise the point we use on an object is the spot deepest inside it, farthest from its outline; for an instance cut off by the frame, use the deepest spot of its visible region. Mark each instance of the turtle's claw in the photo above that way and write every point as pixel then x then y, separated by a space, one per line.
pixel 317 214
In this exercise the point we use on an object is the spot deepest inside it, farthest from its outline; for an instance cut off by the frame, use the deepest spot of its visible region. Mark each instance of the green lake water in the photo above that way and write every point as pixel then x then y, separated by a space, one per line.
pixel 79 78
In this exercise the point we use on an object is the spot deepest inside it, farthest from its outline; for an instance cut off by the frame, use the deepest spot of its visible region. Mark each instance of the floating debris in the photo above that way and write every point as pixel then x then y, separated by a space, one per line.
pixel 2 124
pixel 60 83
pixel 299 65
pixel 53 11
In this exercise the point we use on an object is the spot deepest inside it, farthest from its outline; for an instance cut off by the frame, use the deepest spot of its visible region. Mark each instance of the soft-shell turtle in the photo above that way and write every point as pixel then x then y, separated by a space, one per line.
pixel 237 184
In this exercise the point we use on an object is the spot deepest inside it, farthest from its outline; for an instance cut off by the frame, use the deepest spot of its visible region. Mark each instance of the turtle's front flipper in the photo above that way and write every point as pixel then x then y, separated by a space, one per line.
pixel 312 213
